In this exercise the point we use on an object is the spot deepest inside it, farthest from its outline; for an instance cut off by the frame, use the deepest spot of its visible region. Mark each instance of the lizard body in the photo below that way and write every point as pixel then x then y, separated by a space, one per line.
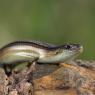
pixel 18 52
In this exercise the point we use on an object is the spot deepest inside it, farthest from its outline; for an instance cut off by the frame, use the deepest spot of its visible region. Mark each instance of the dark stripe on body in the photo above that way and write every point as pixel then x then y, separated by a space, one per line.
pixel 31 43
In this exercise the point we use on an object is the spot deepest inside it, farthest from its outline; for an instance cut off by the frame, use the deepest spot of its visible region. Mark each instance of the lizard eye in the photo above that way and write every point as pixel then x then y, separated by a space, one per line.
pixel 67 46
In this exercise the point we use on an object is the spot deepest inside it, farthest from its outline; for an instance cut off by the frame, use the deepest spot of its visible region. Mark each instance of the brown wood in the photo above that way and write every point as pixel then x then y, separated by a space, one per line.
pixel 75 78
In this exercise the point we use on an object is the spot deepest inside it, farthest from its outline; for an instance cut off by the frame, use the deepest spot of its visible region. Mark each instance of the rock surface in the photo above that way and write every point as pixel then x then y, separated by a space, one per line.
pixel 75 78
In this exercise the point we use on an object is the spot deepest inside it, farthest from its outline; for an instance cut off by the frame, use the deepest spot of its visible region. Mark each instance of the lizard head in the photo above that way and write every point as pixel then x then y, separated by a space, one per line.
pixel 73 47
pixel 70 51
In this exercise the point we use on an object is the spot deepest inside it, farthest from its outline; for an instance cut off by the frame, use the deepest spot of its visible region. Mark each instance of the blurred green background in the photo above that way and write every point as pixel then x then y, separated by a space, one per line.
pixel 54 21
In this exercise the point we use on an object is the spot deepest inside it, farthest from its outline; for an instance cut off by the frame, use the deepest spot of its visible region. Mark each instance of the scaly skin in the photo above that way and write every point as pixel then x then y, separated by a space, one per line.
pixel 16 53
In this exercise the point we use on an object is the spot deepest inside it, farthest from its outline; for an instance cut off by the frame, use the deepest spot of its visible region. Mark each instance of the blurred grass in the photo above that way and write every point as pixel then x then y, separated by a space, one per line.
pixel 55 21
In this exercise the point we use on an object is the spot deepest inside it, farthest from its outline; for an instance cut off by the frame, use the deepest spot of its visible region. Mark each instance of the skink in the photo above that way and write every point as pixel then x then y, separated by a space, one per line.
pixel 18 52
